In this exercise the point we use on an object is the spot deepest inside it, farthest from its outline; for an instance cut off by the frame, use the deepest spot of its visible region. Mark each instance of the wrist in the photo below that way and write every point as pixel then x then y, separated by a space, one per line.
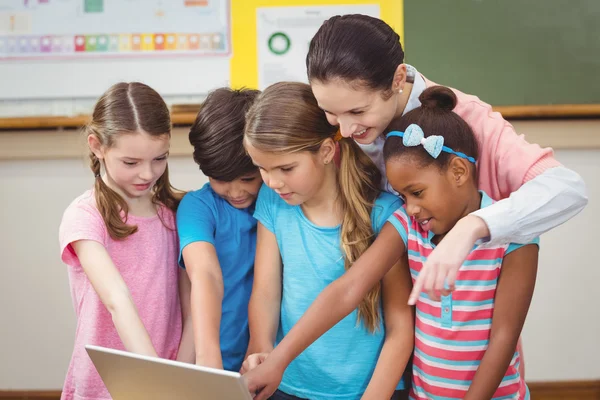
pixel 210 359
pixel 280 358
pixel 256 347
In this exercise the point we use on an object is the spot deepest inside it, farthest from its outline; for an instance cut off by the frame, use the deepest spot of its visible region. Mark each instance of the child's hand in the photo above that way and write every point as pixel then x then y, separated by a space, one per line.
pixel 264 380
pixel 438 275
pixel 253 361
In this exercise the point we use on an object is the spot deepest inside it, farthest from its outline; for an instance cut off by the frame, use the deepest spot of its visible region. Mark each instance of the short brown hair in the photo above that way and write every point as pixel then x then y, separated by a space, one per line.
pixel 218 133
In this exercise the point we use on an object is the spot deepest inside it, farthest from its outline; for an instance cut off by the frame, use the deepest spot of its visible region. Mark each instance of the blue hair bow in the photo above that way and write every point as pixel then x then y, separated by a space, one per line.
pixel 434 144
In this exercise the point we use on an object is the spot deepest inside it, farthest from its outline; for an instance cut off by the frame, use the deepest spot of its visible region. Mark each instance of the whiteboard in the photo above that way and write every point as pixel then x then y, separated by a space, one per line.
pixel 78 48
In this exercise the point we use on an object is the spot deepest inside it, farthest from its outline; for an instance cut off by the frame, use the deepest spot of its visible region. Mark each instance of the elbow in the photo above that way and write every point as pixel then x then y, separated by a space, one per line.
pixel 207 282
pixel 117 300
pixel 579 189
pixel 349 293
pixel 575 190
pixel 401 329
pixel 505 337
pixel 583 196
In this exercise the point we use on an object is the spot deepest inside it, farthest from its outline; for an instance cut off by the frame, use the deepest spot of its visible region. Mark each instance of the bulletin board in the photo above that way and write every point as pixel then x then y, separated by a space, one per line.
pixel 270 37
pixel 51 29
pixel 78 48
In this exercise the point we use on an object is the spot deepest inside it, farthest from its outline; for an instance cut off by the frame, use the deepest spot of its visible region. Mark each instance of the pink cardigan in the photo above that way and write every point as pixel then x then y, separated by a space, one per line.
pixel 506 160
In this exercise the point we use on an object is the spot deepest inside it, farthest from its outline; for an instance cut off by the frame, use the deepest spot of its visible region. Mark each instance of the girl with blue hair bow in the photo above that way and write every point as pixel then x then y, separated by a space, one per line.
pixel 466 343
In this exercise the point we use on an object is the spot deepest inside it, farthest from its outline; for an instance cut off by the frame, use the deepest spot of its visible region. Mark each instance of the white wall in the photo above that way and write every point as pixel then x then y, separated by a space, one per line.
pixel 37 318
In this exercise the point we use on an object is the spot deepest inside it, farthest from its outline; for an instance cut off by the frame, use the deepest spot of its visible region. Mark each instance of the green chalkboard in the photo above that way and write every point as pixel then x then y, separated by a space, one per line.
pixel 508 52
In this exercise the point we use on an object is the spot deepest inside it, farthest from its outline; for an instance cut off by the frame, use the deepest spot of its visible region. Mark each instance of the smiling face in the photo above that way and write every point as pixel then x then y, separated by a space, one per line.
pixel 133 163
pixel 435 197
pixel 240 192
pixel 361 113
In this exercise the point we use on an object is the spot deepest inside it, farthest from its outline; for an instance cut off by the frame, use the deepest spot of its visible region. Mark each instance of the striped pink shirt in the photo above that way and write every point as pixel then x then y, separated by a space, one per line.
pixel 452 335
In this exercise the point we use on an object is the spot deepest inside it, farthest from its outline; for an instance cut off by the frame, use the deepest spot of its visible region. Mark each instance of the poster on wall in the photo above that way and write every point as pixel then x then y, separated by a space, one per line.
pixel 49 29
pixel 284 34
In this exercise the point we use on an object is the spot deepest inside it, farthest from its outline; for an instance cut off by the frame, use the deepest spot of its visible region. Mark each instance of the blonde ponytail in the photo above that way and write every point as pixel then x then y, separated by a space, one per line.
pixel 359 181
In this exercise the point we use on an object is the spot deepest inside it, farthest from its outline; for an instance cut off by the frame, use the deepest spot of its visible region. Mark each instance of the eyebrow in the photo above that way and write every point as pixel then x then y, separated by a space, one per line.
pixel 361 108
pixel 409 187
pixel 278 166
pixel 139 159
pixel 355 109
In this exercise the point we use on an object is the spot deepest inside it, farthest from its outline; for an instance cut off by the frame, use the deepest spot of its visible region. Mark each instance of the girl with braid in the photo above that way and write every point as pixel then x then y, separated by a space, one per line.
pixel 120 243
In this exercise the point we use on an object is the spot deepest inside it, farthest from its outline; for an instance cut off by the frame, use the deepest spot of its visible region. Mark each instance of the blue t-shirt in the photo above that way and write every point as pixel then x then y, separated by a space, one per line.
pixel 341 362
pixel 204 216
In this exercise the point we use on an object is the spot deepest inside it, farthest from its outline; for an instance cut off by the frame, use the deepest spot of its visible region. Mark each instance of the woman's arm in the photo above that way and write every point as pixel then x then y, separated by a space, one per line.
pixel 539 194
pixel 204 271
pixel 511 303
pixel 114 294
pixel 265 301
pixel 399 333
pixel 336 301
pixel 542 203
pixel 186 352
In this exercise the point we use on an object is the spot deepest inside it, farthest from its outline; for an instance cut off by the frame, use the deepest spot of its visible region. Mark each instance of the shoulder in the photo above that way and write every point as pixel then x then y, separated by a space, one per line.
pixel 83 207
pixel 271 210
pixel 384 207
pixel 386 199
pixel 471 108
pixel 386 203
pixel 199 201
pixel 204 195
pixel 268 197
pixel 82 221
pixel 515 246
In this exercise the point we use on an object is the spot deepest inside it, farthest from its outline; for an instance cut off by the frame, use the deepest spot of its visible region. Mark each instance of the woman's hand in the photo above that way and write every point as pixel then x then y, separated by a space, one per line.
pixel 438 274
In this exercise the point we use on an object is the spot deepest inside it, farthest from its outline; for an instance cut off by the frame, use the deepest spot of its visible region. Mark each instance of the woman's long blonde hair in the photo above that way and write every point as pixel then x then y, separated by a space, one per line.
pixel 285 119
pixel 128 108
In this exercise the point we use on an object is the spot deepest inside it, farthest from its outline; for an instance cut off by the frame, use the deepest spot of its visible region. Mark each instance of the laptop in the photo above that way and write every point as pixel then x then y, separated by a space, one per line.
pixel 130 376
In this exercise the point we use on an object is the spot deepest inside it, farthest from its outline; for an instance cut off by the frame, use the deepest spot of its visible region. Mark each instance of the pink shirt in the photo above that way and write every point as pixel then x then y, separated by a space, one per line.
pixel 147 261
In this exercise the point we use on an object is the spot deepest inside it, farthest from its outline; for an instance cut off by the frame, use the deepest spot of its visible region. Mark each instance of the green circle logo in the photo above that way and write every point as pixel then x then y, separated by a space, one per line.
pixel 279 43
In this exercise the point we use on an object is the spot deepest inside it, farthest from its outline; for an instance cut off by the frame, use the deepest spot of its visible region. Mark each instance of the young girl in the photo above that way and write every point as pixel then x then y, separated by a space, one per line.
pixel 119 240
pixel 315 220
pixel 217 232
pixel 465 344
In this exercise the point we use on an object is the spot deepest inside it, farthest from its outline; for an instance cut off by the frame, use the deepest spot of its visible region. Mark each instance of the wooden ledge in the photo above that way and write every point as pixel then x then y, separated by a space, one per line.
pixel 69 143
pixel 187 117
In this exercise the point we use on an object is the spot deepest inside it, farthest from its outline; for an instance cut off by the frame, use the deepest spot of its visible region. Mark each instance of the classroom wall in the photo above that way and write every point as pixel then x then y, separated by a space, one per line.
pixel 37 319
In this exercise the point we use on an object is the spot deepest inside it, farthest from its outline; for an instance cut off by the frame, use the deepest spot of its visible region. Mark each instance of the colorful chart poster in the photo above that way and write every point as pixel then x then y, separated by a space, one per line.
pixel 284 33
pixel 33 29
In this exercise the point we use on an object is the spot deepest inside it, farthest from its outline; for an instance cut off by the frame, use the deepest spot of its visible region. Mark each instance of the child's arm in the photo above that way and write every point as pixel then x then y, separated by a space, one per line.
pixel 399 333
pixel 336 301
pixel 265 301
pixel 511 303
pixel 115 295
pixel 186 352
pixel 204 271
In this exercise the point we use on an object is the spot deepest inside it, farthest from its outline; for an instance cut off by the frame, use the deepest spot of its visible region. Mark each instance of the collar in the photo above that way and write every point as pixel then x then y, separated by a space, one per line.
pixel 418 87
